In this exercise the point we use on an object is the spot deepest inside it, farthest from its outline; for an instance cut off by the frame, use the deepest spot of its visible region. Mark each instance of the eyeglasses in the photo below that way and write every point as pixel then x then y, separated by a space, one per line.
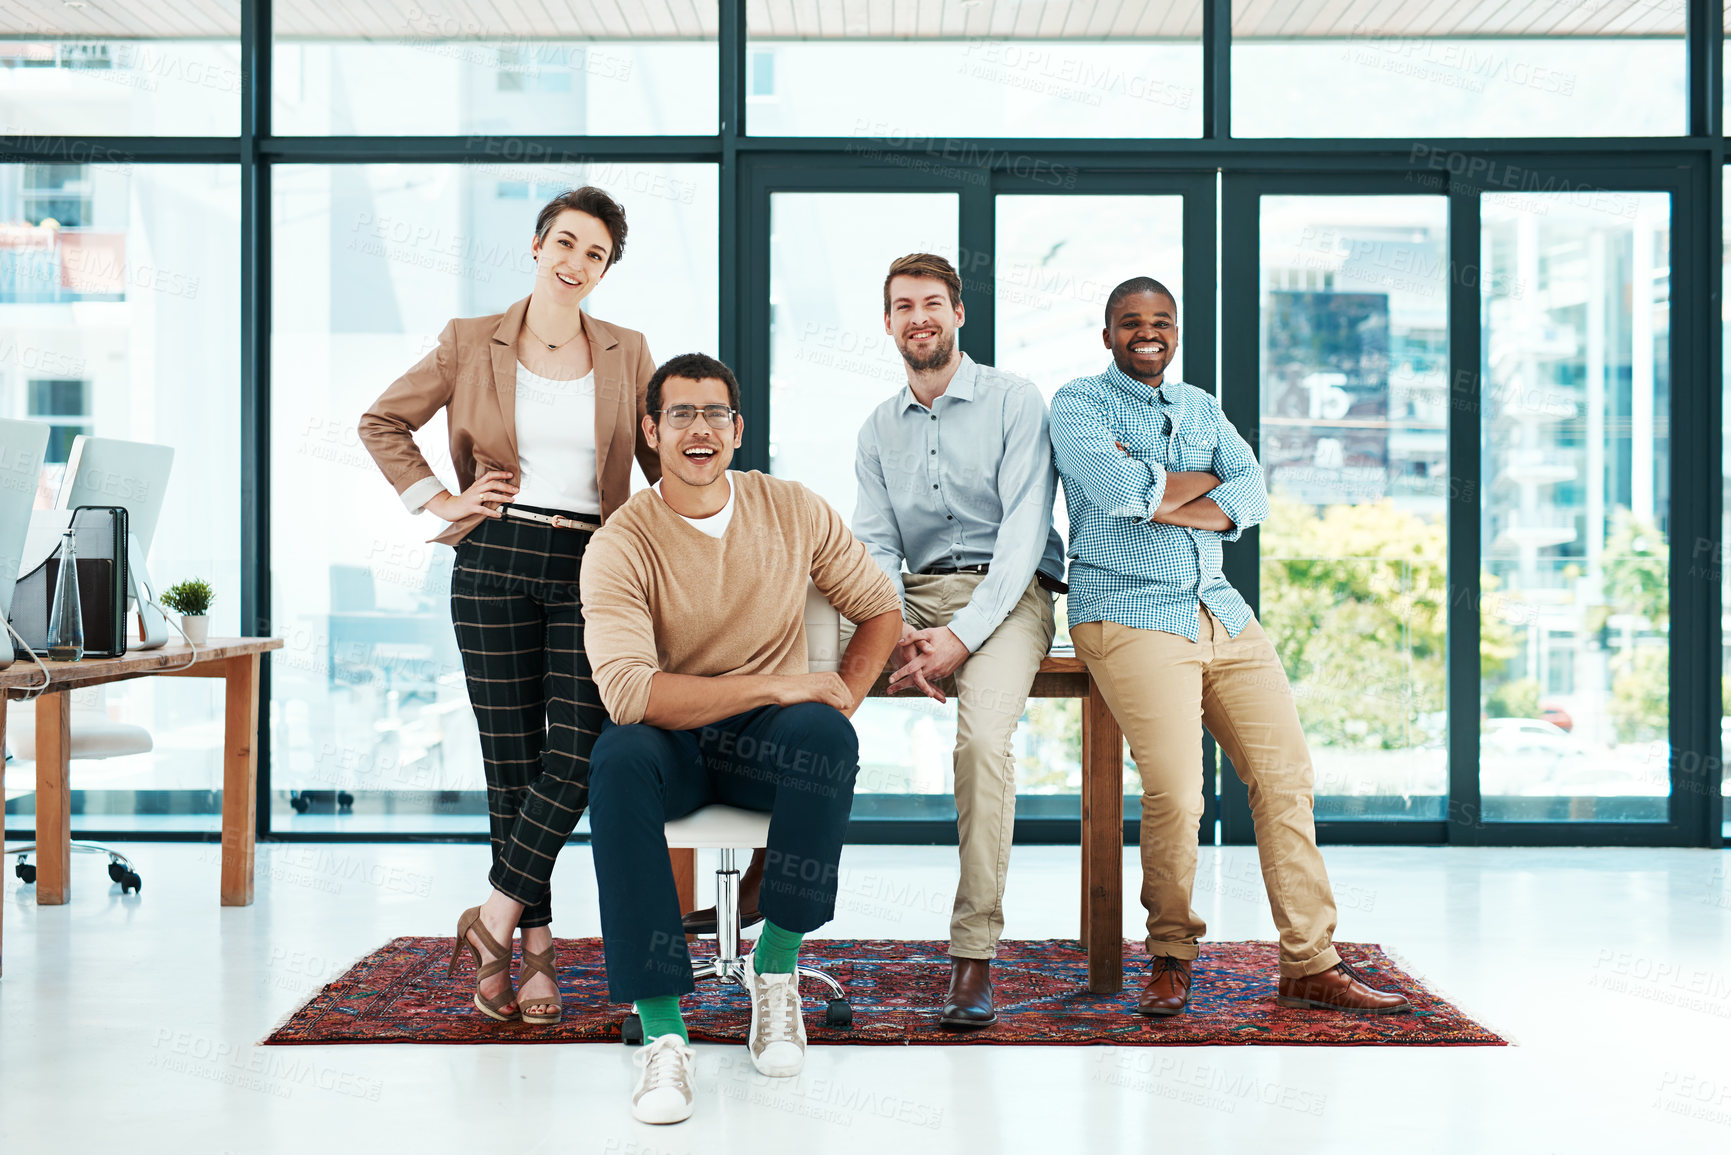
pixel 681 416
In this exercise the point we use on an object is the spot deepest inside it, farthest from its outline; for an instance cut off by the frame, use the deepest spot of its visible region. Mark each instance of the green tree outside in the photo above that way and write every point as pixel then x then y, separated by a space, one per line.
pixel 1355 599
pixel 1637 565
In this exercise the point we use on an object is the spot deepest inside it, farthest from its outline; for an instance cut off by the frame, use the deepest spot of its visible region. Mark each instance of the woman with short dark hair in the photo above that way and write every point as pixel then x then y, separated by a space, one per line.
pixel 544 405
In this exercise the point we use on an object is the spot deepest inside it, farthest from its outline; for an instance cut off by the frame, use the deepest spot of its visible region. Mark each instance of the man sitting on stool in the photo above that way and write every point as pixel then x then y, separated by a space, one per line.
pixel 694 605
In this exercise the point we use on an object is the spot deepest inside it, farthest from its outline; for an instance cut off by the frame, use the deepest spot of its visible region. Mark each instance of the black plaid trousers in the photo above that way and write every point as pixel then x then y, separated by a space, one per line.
pixel 519 624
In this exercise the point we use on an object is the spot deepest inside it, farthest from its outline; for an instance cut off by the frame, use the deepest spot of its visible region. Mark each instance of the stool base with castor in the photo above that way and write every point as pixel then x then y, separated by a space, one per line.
pixel 738 829
pixel 119 866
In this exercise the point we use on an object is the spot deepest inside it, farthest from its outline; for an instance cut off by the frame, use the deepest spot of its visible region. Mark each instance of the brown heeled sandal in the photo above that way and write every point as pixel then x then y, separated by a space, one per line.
pixel 540 964
pixel 493 1008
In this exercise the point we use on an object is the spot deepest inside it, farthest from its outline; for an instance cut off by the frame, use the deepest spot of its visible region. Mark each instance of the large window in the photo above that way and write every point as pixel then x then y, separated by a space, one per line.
pixel 121 320
pixel 1354 557
pixel 368 694
pixel 1575 641
pixel 1454 70
pixel 831 365
pixel 1465 323
pixel 935 72
pixel 449 68
pixel 120 68
pixel 1057 259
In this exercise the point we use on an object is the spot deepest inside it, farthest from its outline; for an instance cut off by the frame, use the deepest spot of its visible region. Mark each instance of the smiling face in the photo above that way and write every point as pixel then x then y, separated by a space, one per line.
pixel 923 320
pixel 696 455
pixel 572 259
pixel 1143 335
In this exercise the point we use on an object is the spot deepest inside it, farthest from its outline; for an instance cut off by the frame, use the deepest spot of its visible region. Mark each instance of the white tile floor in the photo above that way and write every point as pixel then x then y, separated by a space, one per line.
pixel 131 1023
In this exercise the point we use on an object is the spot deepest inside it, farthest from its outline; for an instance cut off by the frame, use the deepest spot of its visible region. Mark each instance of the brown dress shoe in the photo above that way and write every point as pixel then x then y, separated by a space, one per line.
pixel 970 999
pixel 703 921
pixel 1168 992
pixel 1339 989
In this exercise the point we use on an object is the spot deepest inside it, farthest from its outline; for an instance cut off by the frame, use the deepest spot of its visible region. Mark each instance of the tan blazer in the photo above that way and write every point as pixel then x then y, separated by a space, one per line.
pixel 472 375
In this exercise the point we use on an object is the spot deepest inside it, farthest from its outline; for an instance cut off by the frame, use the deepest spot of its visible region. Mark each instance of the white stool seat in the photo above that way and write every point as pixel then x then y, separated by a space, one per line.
pixel 822 632
pixel 93 735
pixel 717 826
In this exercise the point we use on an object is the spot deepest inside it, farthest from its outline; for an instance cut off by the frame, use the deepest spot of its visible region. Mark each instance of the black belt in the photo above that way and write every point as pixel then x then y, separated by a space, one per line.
pixel 555 520
pixel 1046 581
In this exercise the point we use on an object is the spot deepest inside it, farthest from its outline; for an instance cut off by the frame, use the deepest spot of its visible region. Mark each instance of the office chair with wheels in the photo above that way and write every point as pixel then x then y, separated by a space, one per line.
pixel 94 736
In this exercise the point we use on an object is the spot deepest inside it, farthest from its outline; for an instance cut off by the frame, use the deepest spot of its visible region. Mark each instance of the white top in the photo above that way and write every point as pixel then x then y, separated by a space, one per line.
pixel 716 524
pixel 556 443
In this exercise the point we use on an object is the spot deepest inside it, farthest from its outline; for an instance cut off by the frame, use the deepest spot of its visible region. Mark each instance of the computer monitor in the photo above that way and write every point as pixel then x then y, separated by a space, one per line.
pixel 133 474
pixel 23 448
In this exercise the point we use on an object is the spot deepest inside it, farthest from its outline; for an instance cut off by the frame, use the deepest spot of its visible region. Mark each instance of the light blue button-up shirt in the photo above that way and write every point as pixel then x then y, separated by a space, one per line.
pixel 967 482
pixel 1125 568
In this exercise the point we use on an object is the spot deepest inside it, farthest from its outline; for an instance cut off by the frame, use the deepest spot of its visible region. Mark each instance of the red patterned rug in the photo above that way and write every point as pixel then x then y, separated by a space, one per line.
pixel 399 994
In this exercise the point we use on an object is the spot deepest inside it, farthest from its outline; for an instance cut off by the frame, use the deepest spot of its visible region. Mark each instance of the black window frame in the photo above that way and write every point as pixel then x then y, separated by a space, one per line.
pixel 1690 167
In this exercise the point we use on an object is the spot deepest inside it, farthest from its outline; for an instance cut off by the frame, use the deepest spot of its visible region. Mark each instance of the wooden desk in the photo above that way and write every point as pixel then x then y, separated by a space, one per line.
pixel 233 659
pixel 1061 676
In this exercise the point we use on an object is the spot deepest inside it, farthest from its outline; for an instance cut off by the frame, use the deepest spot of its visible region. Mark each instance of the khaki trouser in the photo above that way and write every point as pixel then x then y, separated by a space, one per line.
pixel 991 691
pixel 1163 689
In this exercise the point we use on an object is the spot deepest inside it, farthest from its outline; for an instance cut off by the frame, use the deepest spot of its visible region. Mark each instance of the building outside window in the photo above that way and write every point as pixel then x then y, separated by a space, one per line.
pixel 64 405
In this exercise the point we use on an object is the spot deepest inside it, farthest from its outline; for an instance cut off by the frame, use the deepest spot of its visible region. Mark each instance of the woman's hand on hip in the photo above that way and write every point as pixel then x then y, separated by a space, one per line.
pixel 484 497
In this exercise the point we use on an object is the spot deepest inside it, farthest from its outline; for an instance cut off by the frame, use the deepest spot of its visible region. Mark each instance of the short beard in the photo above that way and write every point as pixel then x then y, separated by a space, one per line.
pixel 1124 367
pixel 939 356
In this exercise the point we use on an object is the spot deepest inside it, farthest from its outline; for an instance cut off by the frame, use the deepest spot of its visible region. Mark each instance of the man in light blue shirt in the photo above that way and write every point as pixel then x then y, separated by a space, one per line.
pixel 956 483
pixel 1156 478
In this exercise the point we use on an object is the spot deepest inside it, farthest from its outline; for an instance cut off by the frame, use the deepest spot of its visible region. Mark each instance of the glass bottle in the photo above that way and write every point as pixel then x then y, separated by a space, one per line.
pixel 66 619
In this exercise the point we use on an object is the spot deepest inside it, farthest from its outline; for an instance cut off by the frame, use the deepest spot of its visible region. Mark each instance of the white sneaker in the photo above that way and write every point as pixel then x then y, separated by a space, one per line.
pixel 663 1092
pixel 777 1039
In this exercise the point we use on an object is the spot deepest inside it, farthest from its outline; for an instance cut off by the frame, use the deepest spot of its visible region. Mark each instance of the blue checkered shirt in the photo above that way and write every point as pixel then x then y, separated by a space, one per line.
pixel 1125 568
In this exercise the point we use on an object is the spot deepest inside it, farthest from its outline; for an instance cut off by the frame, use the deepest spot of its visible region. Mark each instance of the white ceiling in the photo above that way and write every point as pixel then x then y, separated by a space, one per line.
pixel 838 19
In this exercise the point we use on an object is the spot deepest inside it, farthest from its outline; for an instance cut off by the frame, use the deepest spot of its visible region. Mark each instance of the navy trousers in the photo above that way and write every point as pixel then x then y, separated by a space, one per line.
pixel 797 762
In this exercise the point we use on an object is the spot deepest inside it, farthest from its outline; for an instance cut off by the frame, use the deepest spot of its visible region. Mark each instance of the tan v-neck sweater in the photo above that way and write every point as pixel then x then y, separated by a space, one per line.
pixel 660 595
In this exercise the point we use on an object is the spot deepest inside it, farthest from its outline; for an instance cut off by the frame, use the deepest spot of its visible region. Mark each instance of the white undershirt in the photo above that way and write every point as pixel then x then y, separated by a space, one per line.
pixel 716 524
pixel 556 442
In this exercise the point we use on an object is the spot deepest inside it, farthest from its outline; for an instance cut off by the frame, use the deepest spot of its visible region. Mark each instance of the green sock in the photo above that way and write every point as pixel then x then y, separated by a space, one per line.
pixel 660 1016
pixel 777 950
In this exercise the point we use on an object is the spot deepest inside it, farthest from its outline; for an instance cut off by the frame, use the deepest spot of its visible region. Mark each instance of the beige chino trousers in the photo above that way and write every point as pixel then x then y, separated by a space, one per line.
pixel 1163 689
pixel 991 691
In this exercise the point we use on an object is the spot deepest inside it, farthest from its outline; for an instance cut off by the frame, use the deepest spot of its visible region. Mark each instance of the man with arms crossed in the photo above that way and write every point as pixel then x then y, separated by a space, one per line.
pixel 956 480
pixel 694 609
pixel 1156 478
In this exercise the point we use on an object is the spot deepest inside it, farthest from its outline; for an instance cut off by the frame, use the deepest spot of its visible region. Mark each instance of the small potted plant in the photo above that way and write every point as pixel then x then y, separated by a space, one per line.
pixel 191 600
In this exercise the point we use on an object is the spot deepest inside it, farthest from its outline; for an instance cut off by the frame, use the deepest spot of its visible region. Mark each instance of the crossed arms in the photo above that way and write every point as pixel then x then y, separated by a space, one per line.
pixel 1227 498
pixel 1186 503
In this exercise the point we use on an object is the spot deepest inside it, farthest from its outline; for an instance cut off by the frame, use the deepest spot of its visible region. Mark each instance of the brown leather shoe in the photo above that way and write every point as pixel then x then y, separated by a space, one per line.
pixel 1168 992
pixel 970 999
pixel 1339 989
pixel 703 921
